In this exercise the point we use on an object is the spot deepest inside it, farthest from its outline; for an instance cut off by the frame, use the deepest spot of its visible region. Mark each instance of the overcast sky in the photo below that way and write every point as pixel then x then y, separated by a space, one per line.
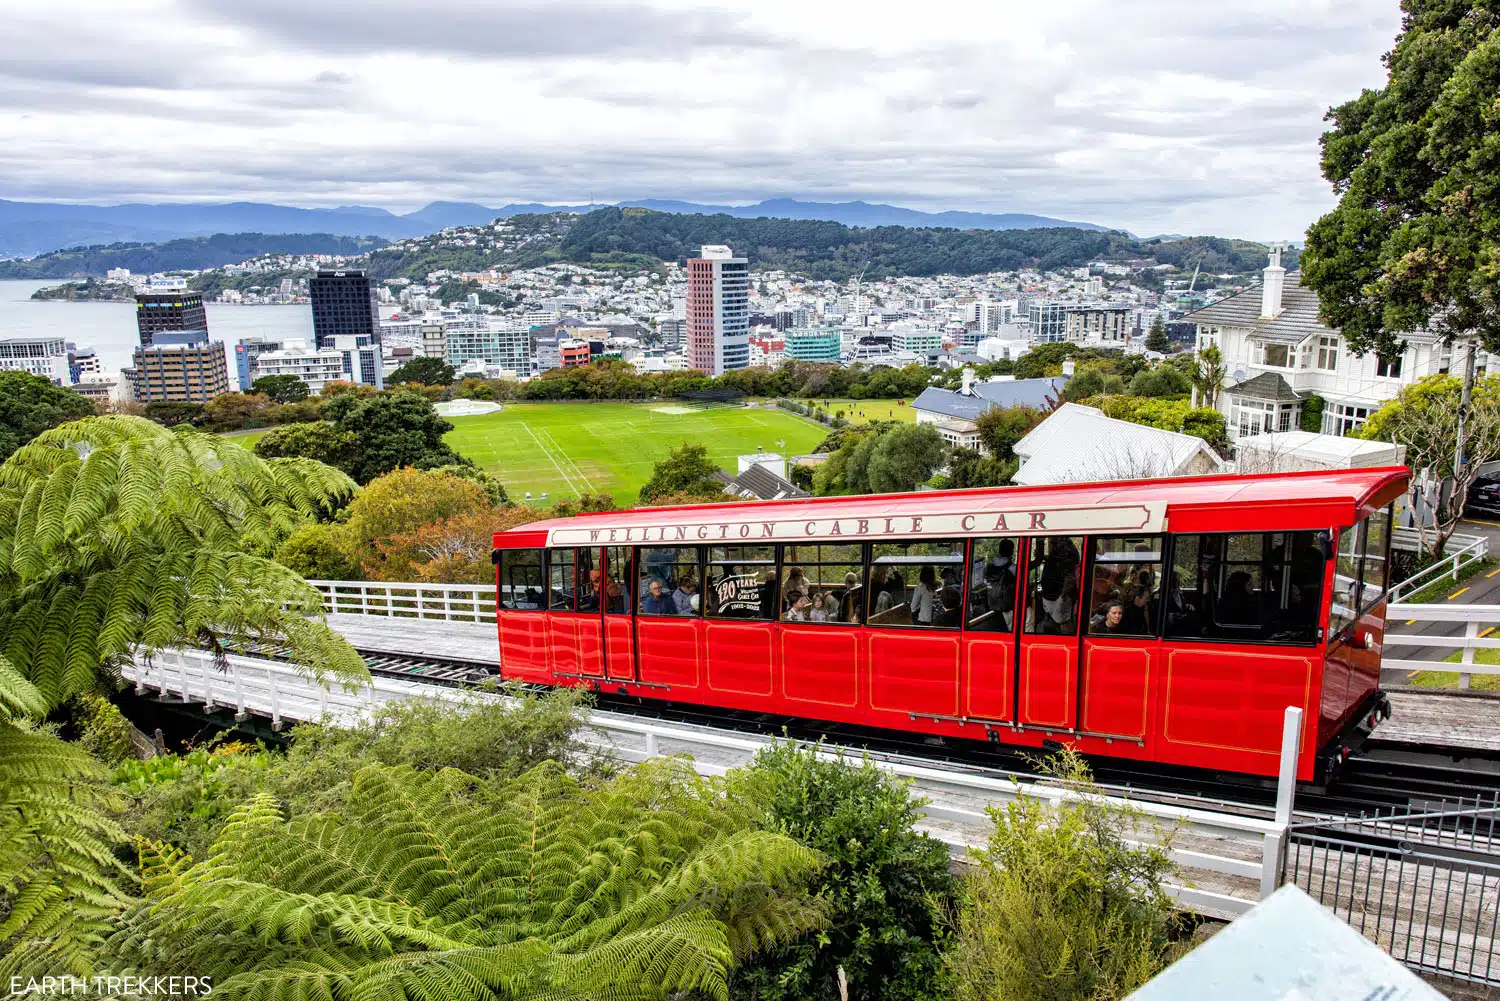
pixel 1153 115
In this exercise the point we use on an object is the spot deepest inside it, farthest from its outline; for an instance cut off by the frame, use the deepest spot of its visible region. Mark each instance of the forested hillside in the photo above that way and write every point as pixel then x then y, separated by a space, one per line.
pixel 194 254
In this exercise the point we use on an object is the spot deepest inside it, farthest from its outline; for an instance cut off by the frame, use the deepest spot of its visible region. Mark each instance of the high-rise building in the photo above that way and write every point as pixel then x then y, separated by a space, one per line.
pixel 83 363
pixel 506 345
pixel 344 304
pixel 314 366
pixel 178 368
pixel 246 352
pixel 1049 320
pixel 718 311
pixel 39 355
pixel 1099 324
pixel 362 361
pixel 159 312
pixel 813 344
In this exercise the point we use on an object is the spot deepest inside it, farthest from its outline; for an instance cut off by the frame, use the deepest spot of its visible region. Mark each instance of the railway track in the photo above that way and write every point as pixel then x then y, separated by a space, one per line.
pixel 1367 785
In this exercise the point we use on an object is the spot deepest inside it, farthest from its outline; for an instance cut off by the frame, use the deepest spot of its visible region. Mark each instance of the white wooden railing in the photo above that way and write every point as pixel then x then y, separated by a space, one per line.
pixel 1461 551
pixel 448 602
pixel 1479 624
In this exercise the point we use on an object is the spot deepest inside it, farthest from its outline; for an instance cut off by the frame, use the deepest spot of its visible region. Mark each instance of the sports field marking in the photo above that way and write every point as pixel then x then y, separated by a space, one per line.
pixel 560 470
pixel 551 441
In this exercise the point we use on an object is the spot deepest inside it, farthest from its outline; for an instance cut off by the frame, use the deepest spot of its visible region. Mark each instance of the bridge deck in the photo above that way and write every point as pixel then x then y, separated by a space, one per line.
pixel 472 641
pixel 1464 720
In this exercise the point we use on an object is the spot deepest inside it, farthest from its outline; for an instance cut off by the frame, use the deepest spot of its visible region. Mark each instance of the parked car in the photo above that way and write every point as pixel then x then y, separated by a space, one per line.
pixel 1484 496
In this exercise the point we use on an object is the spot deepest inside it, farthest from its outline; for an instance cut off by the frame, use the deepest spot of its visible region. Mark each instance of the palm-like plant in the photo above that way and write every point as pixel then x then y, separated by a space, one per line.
pixel 117 535
pixel 446 886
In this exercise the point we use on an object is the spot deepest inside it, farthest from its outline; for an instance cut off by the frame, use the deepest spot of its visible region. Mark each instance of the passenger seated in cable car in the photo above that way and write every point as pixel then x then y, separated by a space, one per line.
pixel 682 598
pixel 797 606
pixel 852 600
pixel 657 601
pixel 615 598
pixel 1110 620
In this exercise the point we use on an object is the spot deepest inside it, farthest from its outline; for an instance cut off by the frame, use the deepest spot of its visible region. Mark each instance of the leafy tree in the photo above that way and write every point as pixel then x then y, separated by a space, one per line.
pixel 1209 425
pixel 887 883
pixel 320 440
pixel 1208 379
pixel 117 535
pixel 1001 427
pixel 687 470
pixel 394 431
pixel 900 459
pixel 584 504
pixel 318 552
pixel 652 885
pixel 424 370
pixel 1312 414
pixel 281 388
pixel 1062 905
pixel 237 410
pixel 1414 239
pixel 30 404
pixel 1113 385
pixel 1086 381
pixel 403 501
pixel 451 550
pixel 1424 418
pixel 496 490
pixel 1156 338
pixel 1045 359
pixel 1164 380
pixel 968 468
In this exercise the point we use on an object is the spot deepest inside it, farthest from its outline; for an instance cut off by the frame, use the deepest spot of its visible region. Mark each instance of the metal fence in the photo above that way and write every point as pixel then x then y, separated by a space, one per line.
pixel 448 602
pixel 1461 551
pixel 1425 886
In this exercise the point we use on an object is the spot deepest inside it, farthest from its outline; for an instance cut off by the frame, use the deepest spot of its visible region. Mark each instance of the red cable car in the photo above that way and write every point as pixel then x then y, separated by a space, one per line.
pixel 1167 620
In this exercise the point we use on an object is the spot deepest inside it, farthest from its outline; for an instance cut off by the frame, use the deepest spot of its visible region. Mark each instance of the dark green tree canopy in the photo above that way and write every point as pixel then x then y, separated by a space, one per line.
pixel 687 470
pixel 281 388
pixel 30 404
pixel 1413 242
pixel 424 370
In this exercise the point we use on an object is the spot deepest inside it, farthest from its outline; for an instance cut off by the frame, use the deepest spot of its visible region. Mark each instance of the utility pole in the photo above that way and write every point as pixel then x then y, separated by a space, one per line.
pixel 1463 410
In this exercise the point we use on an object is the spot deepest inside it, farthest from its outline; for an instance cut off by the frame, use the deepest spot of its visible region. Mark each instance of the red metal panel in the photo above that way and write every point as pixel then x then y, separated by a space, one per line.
pixel 989 672
pixel 669 650
pixel 591 645
pixel 1049 681
pixel 1351 672
pixel 819 664
pixel 562 642
pixel 913 671
pixel 1117 681
pixel 739 657
pixel 523 646
pixel 619 647
pixel 1222 708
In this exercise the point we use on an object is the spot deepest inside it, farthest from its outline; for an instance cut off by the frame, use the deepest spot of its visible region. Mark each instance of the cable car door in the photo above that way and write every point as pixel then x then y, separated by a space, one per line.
pixel 1047 665
pixel 619 626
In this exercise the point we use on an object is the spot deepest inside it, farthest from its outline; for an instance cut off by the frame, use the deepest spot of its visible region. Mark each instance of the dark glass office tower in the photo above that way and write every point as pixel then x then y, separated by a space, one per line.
pixel 344 304
pixel 161 312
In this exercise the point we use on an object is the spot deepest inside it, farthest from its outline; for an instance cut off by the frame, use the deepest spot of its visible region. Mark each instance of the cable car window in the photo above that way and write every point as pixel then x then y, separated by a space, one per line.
pixel 1251 587
pixel 917 584
pixel 1345 606
pixel 1126 581
pixel 560 590
pixel 741 582
pixel 992 585
pixel 1376 558
pixel 669 580
pixel 1052 585
pixel 821 584
pixel 617 580
pixel 589 579
pixel 521 581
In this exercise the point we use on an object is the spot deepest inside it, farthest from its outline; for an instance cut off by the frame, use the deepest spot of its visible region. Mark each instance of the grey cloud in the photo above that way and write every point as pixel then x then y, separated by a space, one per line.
pixel 486 30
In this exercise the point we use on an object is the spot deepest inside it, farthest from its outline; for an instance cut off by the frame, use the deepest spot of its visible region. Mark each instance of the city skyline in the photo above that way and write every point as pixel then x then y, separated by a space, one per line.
pixel 1159 118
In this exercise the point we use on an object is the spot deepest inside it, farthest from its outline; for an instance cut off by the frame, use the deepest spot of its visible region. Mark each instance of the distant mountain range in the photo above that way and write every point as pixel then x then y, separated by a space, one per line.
pixel 31 228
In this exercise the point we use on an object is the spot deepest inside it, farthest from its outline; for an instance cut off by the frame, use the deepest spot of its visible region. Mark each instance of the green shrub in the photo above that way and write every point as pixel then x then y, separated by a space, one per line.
pixel 886 883
pixel 103 730
pixel 1061 906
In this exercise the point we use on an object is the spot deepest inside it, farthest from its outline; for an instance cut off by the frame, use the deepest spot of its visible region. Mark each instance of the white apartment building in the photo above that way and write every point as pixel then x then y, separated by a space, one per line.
pixel 1101 326
pixel 44 356
pixel 314 366
pixel 503 344
pixel 924 342
pixel 1277 353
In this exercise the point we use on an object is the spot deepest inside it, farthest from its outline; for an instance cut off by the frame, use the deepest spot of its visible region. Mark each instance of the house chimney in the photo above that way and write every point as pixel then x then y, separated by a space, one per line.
pixel 968 386
pixel 1275 280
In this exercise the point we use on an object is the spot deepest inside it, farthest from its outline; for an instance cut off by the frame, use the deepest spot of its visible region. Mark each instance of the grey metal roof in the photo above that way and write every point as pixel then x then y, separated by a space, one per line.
pixel 987 395
pixel 764 484
pixel 1267 386
pixel 1077 444
pixel 1297 320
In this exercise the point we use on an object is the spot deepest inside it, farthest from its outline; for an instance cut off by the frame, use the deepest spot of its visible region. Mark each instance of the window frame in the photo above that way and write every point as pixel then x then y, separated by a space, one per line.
pixel 963 574
pixel 971 547
pixel 543 584
pixel 1082 548
pixel 626 580
pixel 1160 563
pixel 1322 632
pixel 573 562
pixel 861 567
pixel 638 561
pixel 774 564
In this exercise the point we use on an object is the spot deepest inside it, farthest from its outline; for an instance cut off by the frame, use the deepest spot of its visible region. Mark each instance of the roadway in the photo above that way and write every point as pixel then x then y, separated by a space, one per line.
pixel 1481 590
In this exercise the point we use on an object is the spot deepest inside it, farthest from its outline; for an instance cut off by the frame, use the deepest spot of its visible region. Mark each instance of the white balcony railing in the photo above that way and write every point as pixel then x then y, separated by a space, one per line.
pixel 447 602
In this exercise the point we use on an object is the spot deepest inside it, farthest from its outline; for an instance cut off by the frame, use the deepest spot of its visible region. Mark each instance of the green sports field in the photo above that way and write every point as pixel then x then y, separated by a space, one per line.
pixel 564 449
pixel 860 411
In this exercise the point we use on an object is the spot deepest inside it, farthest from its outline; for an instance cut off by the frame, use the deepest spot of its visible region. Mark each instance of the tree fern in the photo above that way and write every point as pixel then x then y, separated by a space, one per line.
pixel 445 886
pixel 116 533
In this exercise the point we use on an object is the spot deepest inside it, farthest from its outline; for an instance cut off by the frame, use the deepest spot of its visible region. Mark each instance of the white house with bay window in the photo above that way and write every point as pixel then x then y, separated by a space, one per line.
pixel 1277 354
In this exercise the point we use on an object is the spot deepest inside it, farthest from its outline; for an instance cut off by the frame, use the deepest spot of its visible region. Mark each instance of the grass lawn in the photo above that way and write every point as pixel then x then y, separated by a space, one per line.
pixel 873 410
pixel 564 449
pixel 245 438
